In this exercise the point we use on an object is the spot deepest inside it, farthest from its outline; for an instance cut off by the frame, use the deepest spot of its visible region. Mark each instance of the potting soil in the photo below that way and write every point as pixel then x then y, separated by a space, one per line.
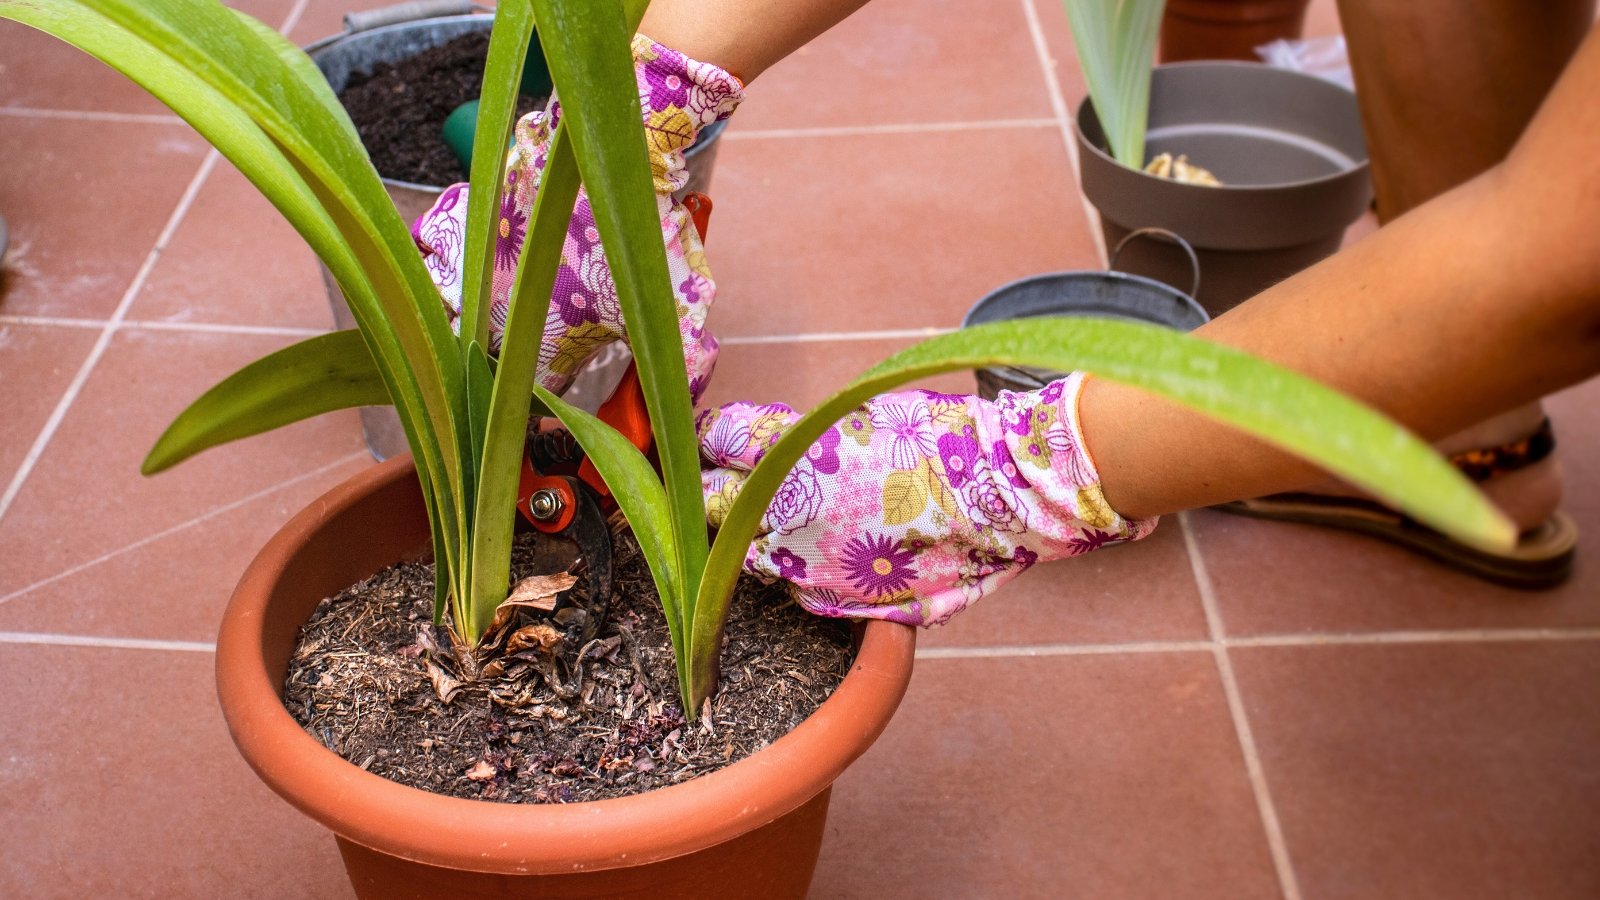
pixel 547 727
pixel 399 110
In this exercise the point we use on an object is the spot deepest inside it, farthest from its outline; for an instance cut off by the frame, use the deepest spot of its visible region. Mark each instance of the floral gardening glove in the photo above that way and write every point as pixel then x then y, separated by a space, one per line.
pixel 917 504
pixel 679 97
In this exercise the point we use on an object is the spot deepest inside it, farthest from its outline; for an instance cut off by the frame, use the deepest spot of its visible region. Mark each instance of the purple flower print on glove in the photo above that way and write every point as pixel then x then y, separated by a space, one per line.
pixel 917 504
pixel 790 566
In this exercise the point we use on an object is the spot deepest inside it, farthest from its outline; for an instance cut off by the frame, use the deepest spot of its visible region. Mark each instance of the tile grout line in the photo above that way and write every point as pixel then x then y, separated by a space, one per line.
pixel 823 336
pixel 52 321
pixel 891 128
pixel 1305 641
pixel 227 328
pixel 90 115
pixel 1464 636
pixel 1038 650
pixel 224 328
pixel 1063 118
pixel 1277 845
pixel 78 640
pixel 75 387
pixel 168 532
pixel 158 325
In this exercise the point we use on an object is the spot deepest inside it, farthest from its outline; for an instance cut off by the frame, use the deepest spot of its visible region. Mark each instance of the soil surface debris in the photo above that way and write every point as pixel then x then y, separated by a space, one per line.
pixel 547 721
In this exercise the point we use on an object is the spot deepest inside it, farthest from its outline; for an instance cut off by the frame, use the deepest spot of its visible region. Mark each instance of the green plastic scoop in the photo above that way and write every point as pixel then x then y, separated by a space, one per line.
pixel 462 123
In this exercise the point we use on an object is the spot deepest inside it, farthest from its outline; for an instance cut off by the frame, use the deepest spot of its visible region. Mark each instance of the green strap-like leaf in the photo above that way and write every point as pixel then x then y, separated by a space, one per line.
pixel 221 122
pixel 144 43
pixel 588 45
pixel 529 306
pixel 497 104
pixel 306 68
pixel 643 500
pixel 1115 41
pixel 494 516
pixel 480 388
pixel 211 42
pixel 322 374
pixel 1284 409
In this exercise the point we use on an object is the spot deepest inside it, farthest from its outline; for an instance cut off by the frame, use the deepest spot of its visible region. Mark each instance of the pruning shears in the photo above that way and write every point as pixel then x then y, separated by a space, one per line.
pixel 561 492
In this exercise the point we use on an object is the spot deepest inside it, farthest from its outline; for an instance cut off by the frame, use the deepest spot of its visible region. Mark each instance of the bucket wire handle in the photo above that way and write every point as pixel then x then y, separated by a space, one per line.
pixel 409 12
pixel 1194 260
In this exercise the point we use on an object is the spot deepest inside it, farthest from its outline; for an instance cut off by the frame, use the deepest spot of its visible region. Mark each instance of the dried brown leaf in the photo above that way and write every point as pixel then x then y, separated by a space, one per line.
pixel 536 592
pixel 541 637
pixel 539 591
pixel 483 771
pixel 444 684
pixel 426 642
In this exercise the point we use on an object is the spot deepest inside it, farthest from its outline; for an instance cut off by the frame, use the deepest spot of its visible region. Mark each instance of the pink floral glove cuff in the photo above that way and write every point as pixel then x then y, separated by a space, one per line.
pixel 918 503
pixel 679 97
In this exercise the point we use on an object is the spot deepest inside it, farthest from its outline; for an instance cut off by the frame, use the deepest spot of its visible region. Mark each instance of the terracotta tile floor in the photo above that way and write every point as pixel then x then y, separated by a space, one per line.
pixel 1230 709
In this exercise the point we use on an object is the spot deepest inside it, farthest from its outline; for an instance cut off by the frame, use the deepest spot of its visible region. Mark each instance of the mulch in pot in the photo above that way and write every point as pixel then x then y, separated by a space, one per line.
pixel 399 109
pixel 541 727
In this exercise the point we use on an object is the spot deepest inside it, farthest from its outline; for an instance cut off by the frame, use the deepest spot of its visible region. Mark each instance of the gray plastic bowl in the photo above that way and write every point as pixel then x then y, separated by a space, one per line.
pixel 1288 148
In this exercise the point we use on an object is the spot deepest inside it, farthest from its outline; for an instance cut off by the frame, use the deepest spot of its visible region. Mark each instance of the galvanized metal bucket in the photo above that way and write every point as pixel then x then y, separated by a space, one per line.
pixel 395 33
pixel 1111 294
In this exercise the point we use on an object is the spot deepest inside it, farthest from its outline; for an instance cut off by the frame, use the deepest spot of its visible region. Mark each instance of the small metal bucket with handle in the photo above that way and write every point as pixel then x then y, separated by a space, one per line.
pixel 1110 294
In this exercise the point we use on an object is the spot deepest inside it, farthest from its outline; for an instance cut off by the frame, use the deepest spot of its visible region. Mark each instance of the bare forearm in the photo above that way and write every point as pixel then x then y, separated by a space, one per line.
pixel 745 37
pixel 1487 297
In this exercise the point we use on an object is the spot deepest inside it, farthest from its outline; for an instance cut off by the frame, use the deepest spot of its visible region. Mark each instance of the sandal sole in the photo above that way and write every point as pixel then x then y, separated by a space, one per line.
pixel 1542 558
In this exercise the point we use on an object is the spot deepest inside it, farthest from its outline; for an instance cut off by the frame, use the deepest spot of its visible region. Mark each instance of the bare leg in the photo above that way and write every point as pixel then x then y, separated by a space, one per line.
pixel 1445 93
pixel 1446 89
pixel 1476 302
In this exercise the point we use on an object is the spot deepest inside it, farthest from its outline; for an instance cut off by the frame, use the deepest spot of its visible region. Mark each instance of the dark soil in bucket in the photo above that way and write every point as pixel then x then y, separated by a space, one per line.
pixel 399 110
pixel 548 727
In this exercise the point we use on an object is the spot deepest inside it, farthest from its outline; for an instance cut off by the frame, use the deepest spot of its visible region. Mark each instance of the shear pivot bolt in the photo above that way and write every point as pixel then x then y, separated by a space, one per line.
pixel 545 504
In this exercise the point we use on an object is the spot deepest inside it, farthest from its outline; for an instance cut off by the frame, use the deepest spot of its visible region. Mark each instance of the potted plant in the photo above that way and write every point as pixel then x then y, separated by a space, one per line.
pixel 1287 147
pixel 261 103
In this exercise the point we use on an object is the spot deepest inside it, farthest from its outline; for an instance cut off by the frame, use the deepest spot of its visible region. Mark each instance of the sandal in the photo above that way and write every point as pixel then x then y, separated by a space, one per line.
pixel 1543 555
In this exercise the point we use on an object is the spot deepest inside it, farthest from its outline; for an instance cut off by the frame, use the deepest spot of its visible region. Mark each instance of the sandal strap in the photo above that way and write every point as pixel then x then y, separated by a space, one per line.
pixel 1484 463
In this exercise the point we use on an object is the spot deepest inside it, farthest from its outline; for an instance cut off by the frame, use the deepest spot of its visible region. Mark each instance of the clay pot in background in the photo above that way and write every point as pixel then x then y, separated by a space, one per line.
pixel 1227 29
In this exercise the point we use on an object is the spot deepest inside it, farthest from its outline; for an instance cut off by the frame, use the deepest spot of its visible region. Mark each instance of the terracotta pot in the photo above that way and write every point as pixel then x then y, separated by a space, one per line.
pixel 1227 29
pixel 750 830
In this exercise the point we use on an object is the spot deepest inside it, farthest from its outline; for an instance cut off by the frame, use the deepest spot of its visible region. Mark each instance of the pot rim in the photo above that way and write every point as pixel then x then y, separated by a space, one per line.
pixel 508 838
pixel 1110 274
pixel 1085 107
pixel 710 133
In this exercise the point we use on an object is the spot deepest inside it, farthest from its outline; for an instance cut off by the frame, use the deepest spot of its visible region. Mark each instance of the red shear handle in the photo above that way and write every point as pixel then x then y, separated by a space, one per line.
pixel 700 211
pixel 625 411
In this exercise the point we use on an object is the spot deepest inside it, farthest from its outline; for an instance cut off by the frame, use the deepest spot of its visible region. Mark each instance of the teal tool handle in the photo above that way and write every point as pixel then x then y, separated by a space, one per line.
pixel 461 126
